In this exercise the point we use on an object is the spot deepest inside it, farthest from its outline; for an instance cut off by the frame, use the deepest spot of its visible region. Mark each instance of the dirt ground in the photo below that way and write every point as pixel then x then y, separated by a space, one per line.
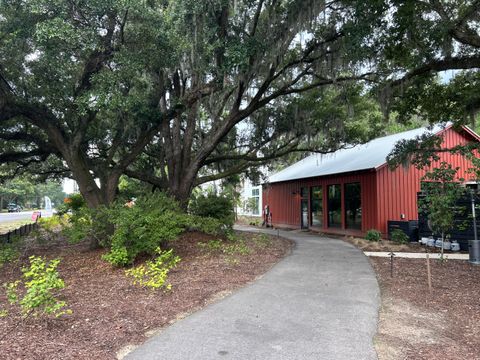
pixel 109 312
pixel 414 323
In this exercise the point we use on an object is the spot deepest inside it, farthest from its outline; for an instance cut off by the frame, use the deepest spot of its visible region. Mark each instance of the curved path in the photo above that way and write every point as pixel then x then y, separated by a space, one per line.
pixel 321 302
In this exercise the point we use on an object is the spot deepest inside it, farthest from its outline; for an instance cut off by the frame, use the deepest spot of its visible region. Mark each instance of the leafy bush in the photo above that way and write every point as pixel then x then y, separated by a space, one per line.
pixel 53 222
pixel 215 206
pixel 73 203
pixel 41 281
pixel 206 225
pixel 153 274
pixel 399 237
pixel 86 223
pixel 8 253
pixel 373 235
pixel 141 229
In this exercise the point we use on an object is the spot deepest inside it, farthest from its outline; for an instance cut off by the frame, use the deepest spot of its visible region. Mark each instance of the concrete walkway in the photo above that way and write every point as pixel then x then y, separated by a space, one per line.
pixel 321 302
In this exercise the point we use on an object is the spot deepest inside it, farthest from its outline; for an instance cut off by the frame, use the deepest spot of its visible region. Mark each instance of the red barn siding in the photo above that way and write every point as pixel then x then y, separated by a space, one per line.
pixel 385 194
pixel 397 190
pixel 284 198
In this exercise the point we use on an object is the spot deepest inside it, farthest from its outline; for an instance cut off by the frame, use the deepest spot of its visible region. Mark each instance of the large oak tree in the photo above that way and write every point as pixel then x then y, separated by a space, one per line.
pixel 159 89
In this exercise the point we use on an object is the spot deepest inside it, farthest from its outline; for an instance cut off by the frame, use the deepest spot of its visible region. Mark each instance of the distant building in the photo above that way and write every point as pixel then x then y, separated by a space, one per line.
pixel 250 199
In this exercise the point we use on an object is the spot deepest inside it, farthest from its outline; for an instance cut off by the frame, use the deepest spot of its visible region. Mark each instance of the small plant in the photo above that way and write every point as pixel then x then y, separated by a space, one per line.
pixel 42 282
pixel 399 237
pixel 8 253
pixel 232 236
pixel 239 248
pixel 231 260
pixel 154 273
pixel 117 256
pixel 373 235
pixel 442 189
pixel 262 240
pixel 213 245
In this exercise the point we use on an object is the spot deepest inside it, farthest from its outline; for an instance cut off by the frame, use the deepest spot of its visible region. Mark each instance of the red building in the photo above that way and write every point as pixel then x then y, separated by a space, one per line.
pixel 352 190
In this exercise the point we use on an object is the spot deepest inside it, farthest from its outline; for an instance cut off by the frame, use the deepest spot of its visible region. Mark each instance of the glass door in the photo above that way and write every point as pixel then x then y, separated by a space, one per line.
pixel 304 209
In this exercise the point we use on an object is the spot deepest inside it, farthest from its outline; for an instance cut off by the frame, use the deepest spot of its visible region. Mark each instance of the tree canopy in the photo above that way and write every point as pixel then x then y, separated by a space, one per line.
pixel 177 93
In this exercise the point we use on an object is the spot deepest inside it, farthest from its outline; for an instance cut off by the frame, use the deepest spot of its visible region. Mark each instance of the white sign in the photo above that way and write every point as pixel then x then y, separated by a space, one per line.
pixel 48 206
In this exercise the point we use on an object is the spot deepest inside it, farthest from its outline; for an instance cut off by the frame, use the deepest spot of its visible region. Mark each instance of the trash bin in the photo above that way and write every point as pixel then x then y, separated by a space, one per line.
pixel 474 251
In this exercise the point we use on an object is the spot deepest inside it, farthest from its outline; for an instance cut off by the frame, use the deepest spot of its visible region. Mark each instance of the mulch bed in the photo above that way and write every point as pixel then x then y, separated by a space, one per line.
pixel 418 324
pixel 388 245
pixel 109 312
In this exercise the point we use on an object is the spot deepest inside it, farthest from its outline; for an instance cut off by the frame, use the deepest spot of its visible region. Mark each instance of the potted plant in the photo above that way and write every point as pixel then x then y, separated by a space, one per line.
pixel 442 191
pixel 455 245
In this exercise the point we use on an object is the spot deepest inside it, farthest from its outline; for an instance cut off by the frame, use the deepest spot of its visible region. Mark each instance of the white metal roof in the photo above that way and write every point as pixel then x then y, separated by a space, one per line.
pixel 360 157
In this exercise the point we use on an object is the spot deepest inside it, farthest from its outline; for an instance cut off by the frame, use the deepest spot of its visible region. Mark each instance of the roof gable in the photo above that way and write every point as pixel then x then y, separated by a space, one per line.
pixel 370 155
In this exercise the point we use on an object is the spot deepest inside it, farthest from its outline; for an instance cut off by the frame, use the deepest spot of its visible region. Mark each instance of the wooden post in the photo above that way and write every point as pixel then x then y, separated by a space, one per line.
pixel 429 275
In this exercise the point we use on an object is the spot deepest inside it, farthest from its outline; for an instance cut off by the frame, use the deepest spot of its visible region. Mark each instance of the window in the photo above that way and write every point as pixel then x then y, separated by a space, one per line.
pixel 353 206
pixel 334 206
pixel 317 206
pixel 255 200
pixel 304 192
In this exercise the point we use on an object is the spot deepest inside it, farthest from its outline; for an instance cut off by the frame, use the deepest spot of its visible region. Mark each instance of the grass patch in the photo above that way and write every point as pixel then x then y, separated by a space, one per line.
pixel 5 227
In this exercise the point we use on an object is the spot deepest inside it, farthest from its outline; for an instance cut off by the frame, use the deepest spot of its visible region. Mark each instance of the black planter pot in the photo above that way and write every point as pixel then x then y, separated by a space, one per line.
pixel 474 251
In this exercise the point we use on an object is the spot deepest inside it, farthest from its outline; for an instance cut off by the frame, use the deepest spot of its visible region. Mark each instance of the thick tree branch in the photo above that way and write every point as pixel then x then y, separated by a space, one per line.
pixel 466 62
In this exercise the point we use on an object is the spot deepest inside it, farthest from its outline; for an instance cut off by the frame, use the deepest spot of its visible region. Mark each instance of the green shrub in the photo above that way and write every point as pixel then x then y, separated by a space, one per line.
pixel 89 224
pixel 72 203
pixel 54 223
pixel 206 225
pixel 373 235
pixel 399 237
pixel 8 253
pixel 154 273
pixel 41 281
pixel 215 206
pixel 118 256
pixel 141 229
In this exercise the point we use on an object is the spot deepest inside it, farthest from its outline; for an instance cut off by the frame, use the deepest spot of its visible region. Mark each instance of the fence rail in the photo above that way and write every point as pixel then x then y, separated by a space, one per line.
pixel 21 231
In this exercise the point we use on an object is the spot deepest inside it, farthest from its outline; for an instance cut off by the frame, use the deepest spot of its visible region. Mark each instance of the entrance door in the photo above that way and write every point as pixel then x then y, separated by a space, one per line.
pixel 304 209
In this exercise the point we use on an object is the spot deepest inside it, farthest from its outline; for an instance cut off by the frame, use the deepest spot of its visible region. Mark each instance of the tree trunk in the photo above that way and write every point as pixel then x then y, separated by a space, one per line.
pixel 181 185
pixel 94 195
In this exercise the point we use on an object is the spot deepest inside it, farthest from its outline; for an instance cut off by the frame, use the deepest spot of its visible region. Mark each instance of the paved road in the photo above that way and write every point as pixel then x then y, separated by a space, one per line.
pixel 23 215
pixel 9 217
pixel 321 302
